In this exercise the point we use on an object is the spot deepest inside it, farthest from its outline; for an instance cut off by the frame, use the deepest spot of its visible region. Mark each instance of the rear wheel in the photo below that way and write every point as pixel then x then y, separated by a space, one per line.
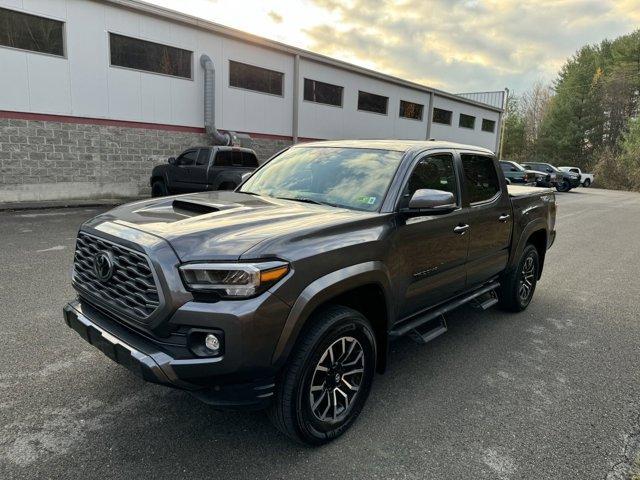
pixel 327 379
pixel 159 189
pixel 519 285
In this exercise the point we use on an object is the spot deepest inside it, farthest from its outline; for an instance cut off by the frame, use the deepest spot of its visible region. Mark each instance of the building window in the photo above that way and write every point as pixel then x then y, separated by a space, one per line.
pixel 411 110
pixel 370 102
pixel 149 56
pixel 30 32
pixel 442 116
pixel 488 125
pixel 467 121
pixel 320 92
pixel 257 79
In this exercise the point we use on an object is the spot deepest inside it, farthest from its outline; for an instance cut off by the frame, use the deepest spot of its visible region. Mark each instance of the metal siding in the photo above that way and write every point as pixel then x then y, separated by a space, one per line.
pixel 85 85
pixel 454 133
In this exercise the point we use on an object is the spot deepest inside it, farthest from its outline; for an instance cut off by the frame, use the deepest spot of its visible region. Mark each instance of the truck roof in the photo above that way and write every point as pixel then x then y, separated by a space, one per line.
pixel 398 145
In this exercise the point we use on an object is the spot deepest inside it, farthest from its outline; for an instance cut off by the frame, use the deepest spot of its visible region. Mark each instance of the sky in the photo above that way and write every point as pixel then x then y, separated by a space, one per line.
pixel 455 45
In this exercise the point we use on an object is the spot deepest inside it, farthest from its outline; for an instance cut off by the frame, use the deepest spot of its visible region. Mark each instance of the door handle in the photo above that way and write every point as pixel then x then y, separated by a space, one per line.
pixel 461 229
pixel 503 218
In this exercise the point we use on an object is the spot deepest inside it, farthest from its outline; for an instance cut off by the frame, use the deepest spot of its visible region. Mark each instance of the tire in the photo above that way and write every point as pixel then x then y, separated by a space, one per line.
pixel 345 333
pixel 586 183
pixel 564 186
pixel 526 273
pixel 159 189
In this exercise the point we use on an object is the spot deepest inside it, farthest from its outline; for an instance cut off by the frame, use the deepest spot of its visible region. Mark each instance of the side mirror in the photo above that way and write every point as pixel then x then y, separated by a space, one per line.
pixel 172 161
pixel 245 176
pixel 430 202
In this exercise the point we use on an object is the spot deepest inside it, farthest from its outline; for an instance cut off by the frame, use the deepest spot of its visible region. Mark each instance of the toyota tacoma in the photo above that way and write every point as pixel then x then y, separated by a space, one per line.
pixel 285 293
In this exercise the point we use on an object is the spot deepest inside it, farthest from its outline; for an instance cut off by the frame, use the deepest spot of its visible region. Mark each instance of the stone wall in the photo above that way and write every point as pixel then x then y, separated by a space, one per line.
pixel 47 160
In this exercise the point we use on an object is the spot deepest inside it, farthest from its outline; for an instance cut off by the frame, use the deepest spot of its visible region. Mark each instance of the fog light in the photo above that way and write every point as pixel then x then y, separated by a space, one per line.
pixel 212 342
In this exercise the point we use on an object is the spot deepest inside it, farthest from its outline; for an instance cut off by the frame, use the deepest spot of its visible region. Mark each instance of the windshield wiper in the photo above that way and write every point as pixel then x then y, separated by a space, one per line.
pixel 307 200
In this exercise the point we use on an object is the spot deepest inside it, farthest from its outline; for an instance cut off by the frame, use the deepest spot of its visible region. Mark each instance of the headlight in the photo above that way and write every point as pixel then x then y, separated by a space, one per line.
pixel 234 280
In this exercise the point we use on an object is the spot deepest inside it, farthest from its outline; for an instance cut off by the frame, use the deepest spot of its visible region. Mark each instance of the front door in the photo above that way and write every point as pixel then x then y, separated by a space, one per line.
pixel 490 218
pixel 180 172
pixel 432 249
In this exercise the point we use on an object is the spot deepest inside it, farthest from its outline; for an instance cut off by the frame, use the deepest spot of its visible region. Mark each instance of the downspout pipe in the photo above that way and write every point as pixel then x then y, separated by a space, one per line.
pixel 218 138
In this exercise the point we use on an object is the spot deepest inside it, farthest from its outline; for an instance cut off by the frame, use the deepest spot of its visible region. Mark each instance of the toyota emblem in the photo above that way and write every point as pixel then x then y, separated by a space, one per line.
pixel 103 265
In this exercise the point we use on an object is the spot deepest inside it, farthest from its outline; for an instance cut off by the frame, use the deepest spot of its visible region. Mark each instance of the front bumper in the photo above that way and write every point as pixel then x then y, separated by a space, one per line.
pixel 153 363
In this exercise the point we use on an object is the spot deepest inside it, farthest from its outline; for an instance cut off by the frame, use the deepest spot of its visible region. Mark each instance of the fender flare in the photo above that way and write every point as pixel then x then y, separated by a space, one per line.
pixel 322 290
pixel 533 226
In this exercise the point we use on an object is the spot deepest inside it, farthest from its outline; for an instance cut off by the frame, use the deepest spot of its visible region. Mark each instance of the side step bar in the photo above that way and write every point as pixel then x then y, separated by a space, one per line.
pixel 414 323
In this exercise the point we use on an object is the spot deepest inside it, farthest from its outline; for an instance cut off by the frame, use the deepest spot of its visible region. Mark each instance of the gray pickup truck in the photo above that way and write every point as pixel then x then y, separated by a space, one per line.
pixel 285 293
pixel 199 169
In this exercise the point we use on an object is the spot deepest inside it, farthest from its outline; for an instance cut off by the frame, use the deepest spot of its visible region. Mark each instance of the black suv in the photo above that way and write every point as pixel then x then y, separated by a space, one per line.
pixel 286 293
pixel 203 168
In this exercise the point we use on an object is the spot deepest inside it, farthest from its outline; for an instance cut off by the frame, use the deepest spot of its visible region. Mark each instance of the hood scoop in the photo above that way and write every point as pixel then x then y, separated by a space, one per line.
pixel 193 207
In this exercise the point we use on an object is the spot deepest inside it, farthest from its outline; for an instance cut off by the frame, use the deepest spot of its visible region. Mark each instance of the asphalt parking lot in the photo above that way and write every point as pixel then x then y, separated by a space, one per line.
pixel 552 393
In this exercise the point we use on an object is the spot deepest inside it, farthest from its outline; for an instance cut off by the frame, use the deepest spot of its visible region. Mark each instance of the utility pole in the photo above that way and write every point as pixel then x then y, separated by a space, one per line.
pixel 503 123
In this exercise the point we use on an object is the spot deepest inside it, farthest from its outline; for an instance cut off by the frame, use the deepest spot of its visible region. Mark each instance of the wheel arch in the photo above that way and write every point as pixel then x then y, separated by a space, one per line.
pixel 535 233
pixel 364 288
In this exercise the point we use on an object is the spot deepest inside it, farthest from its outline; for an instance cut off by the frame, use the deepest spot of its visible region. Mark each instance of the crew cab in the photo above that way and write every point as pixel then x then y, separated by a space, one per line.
pixel 285 293
pixel 203 168
pixel 586 179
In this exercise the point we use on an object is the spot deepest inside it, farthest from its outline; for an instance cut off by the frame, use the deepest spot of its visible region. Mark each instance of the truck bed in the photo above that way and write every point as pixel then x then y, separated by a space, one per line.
pixel 523 191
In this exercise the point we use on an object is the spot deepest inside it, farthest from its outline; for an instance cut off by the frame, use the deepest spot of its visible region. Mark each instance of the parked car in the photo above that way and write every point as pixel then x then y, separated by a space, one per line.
pixel 515 173
pixel 586 179
pixel 203 168
pixel 563 181
pixel 285 293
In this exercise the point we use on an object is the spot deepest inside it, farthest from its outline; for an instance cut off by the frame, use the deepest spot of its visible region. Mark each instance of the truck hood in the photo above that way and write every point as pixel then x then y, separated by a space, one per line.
pixel 223 225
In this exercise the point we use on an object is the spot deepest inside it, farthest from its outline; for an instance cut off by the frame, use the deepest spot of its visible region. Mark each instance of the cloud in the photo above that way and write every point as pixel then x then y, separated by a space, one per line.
pixel 275 16
pixel 466 45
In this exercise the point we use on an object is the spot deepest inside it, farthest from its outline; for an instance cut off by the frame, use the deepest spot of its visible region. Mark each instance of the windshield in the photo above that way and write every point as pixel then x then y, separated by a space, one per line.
pixel 354 178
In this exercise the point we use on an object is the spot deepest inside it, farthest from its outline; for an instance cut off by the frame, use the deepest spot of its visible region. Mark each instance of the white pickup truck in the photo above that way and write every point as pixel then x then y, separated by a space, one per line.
pixel 586 179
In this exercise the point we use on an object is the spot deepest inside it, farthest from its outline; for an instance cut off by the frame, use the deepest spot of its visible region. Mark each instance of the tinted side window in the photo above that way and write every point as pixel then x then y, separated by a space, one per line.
pixel 154 57
pixel 249 160
pixel 320 92
pixel 203 156
pixel 435 172
pixel 411 110
pixel 223 158
pixel 467 121
pixel 505 167
pixel 480 176
pixel 30 32
pixel 254 78
pixel 442 116
pixel 187 158
pixel 370 102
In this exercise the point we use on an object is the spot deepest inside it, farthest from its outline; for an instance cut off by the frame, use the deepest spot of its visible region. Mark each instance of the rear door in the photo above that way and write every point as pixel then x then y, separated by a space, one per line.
pixel 180 172
pixel 432 249
pixel 490 217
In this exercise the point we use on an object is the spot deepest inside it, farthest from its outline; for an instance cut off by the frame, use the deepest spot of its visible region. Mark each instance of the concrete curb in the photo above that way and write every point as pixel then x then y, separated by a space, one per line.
pixel 47 204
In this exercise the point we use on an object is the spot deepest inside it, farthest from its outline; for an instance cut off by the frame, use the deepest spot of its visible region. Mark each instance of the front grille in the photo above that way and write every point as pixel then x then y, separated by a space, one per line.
pixel 131 289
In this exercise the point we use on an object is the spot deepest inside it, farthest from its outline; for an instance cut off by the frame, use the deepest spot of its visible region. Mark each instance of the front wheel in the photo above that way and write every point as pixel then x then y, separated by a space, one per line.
pixel 159 189
pixel 327 379
pixel 518 285
pixel 587 183
pixel 565 186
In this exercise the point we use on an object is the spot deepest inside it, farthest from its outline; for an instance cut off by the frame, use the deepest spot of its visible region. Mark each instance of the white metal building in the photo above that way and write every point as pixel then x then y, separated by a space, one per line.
pixel 83 72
